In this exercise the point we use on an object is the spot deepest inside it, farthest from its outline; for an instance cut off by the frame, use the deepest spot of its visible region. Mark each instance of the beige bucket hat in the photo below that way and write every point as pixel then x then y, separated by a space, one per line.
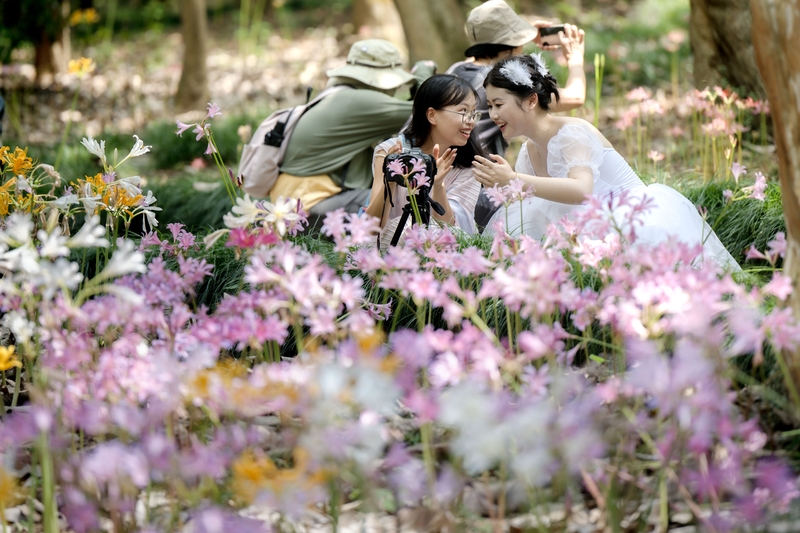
pixel 494 22
pixel 374 62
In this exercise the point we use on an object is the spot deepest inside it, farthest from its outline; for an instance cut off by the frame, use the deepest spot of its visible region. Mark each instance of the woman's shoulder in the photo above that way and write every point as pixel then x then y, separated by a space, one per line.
pixel 577 127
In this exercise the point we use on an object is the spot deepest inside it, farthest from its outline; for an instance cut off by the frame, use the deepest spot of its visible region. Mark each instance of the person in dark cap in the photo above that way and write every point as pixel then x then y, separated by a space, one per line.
pixel 497 32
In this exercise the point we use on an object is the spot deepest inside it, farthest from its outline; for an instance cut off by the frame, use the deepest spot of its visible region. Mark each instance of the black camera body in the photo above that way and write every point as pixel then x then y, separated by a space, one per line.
pixel 406 157
pixel 423 194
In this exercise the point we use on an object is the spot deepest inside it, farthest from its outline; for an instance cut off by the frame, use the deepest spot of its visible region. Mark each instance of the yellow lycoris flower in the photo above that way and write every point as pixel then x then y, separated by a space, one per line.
pixel 10 494
pixel 3 152
pixel 89 16
pixel 80 67
pixel 252 473
pixel 19 163
pixel 5 196
pixel 7 360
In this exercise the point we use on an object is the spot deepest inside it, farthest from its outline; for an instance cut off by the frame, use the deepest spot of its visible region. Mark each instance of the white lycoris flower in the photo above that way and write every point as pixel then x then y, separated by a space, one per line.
pixel 126 260
pixel 124 293
pixel 247 210
pixel 375 390
pixel 22 185
pixel 139 148
pixel 149 217
pixel 90 202
pixel 98 149
pixel 149 199
pixel 63 203
pixel 21 327
pixel 53 244
pixel 279 212
pixel 517 73
pixel 91 235
pixel 56 275
pixel 24 259
pixel 131 185
pixel 212 238
pixel 541 66
pixel 18 230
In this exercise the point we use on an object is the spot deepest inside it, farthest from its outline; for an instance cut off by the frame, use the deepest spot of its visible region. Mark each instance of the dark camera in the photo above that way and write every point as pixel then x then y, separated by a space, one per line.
pixel 404 168
pixel 549 35
pixel 407 159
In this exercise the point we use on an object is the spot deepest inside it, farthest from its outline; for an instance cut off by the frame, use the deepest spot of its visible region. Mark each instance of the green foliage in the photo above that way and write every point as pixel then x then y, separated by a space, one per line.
pixel 197 202
pixel 171 151
pixel 746 222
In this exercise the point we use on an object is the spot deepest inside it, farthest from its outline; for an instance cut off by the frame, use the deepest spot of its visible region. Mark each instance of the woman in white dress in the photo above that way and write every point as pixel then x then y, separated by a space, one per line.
pixel 443 115
pixel 567 159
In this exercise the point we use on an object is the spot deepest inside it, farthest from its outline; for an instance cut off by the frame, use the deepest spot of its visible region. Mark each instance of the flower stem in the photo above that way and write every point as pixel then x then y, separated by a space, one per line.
pixel 67 128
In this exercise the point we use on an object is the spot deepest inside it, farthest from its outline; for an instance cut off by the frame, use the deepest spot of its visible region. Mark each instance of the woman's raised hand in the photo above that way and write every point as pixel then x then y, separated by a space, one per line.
pixel 444 163
pixel 572 42
pixel 491 172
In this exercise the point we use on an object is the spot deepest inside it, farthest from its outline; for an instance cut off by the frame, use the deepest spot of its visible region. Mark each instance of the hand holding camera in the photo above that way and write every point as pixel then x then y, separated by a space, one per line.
pixel 568 37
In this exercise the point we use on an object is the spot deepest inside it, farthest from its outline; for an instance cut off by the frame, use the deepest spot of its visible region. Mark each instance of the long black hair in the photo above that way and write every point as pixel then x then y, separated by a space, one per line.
pixel 437 92
pixel 543 85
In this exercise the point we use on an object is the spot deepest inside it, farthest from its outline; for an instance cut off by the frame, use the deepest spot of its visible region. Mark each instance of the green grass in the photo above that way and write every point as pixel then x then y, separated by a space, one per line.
pixel 188 200
pixel 746 222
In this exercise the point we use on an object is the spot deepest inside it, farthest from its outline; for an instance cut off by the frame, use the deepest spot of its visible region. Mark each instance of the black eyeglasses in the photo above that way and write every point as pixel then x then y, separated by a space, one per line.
pixel 466 118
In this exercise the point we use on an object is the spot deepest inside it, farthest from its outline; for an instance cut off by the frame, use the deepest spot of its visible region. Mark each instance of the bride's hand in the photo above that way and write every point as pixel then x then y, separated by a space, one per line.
pixel 444 163
pixel 495 171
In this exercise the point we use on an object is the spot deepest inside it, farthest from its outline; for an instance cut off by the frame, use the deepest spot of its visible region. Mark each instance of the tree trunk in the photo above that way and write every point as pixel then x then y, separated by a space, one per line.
pixel 776 36
pixel 720 34
pixel 52 55
pixel 379 19
pixel 434 30
pixel 193 87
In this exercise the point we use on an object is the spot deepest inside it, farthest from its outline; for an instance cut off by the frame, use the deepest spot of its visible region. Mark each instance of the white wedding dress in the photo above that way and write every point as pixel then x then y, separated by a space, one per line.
pixel 671 215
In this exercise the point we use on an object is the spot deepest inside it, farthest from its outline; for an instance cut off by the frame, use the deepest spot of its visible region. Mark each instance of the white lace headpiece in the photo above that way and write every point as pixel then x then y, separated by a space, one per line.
pixel 517 73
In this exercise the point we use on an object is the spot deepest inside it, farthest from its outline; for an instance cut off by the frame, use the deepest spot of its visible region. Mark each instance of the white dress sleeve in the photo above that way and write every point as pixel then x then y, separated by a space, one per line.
pixel 574 146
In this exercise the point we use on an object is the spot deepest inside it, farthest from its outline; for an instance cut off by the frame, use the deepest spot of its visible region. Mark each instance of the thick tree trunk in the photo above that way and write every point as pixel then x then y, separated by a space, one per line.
pixel 776 35
pixel 52 55
pixel 379 19
pixel 434 30
pixel 193 87
pixel 720 33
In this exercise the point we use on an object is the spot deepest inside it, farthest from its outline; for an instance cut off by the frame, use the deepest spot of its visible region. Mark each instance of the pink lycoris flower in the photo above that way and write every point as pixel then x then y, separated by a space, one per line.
pixel 727 195
pixel 780 286
pixel 396 167
pixel 213 111
pixel 186 240
pixel 182 127
pixel 756 191
pixel 738 170
pixel 655 155
pixel 200 130
pixel 175 228
pixel 638 94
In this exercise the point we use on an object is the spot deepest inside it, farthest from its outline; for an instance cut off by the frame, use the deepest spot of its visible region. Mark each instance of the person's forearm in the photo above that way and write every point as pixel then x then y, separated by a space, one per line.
pixel 375 207
pixel 561 190
pixel 439 193
pixel 573 95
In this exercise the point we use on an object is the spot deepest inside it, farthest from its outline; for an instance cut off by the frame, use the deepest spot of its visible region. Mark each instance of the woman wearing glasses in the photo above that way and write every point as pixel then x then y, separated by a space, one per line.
pixel 442 125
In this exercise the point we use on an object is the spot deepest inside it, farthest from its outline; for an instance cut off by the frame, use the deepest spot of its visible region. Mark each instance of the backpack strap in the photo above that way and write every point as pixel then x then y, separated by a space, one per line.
pixel 275 137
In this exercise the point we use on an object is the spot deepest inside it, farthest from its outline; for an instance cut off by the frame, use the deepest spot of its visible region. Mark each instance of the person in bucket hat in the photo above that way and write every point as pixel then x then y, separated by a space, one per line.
pixel 495 31
pixel 328 159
